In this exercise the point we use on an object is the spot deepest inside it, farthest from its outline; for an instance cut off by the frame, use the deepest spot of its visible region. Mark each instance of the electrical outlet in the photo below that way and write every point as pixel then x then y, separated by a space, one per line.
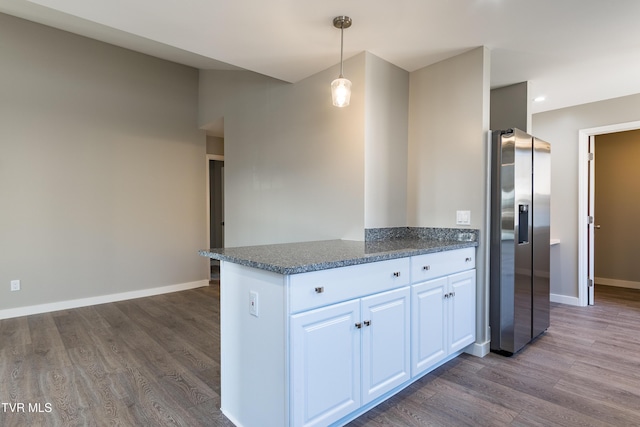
pixel 253 303
pixel 15 285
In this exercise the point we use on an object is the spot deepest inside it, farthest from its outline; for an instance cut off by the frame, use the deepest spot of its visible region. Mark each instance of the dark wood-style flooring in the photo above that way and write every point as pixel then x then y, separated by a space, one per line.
pixel 155 362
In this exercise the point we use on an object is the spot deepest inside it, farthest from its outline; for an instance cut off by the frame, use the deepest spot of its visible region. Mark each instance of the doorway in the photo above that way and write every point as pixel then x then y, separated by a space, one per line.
pixel 617 208
pixel 586 220
pixel 215 207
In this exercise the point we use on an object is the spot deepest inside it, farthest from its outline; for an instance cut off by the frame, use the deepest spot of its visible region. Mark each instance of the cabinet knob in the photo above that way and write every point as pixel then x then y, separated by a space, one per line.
pixel 319 289
pixel 452 294
pixel 446 296
pixel 358 325
pixel 468 259
pixel 396 274
pixel 367 323
pixel 426 268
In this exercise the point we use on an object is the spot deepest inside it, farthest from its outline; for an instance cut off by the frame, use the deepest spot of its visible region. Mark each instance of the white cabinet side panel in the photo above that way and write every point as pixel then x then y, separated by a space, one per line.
pixel 252 348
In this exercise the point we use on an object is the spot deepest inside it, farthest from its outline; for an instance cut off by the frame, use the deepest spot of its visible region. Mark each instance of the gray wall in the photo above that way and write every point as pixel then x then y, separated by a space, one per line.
pixel 448 125
pixel 560 128
pixel 386 142
pixel 617 206
pixel 294 164
pixel 102 172
pixel 510 107
pixel 215 145
pixel 448 115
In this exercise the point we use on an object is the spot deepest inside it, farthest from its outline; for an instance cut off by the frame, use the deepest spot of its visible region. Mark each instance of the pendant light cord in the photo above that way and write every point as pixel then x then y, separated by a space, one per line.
pixel 341 47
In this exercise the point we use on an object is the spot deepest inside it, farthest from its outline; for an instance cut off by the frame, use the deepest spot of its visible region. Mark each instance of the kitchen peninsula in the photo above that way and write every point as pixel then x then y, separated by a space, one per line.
pixel 317 333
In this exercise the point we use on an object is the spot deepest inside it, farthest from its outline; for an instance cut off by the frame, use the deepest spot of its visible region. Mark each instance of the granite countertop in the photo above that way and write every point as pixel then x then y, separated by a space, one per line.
pixel 293 258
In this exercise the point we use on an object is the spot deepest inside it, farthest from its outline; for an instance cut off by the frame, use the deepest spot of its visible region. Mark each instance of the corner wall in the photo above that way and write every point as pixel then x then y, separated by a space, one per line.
pixel 386 141
pixel 102 178
pixel 447 169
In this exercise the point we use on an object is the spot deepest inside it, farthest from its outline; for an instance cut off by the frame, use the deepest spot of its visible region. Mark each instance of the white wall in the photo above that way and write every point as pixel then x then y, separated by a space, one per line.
pixel 447 168
pixel 294 164
pixel 102 172
pixel 560 128
pixel 386 143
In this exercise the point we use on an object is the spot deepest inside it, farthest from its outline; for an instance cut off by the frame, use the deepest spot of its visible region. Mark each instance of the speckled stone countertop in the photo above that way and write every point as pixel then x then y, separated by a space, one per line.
pixel 294 258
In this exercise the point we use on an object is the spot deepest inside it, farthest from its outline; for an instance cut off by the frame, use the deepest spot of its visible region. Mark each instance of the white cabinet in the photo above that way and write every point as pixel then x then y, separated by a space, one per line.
pixel 325 364
pixel 345 355
pixel 326 346
pixel 428 340
pixel 462 310
pixel 443 312
pixel 386 341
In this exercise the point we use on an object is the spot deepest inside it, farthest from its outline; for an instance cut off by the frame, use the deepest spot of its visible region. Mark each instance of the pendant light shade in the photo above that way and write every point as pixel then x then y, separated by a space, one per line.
pixel 341 92
pixel 341 87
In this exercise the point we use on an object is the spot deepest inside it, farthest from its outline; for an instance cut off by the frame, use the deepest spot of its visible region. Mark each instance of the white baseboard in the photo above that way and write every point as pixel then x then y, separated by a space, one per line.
pixel 617 282
pixel 478 349
pixel 84 302
pixel 564 299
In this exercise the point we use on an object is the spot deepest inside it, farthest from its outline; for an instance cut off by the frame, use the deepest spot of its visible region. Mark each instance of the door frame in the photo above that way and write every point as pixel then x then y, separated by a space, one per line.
pixel 208 195
pixel 584 229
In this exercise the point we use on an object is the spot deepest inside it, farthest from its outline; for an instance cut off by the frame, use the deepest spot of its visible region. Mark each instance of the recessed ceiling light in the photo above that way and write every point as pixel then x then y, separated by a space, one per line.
pixel 539 98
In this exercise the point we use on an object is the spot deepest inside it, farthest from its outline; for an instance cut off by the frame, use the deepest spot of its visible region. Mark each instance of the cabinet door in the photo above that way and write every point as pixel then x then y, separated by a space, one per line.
pixel 325 364
pixel 385 342
pixel 428 324
pixel 462 307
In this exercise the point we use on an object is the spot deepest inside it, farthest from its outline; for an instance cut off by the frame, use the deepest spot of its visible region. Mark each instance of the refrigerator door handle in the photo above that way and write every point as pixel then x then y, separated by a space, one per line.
pixel 523 224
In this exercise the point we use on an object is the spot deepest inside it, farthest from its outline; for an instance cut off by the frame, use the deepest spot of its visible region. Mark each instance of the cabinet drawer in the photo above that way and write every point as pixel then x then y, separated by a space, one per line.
pixel 430 266
pixel 319 288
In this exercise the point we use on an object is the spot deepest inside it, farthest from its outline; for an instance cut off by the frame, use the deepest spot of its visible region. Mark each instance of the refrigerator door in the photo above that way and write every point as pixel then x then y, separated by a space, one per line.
pixel 522 245
pixel 511 241
pixel 541 237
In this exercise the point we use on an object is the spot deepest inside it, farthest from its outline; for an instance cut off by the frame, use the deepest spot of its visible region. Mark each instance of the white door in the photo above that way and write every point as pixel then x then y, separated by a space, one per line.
pixel 462 309
pixel 428 324
pixel 385 342
pixel 325 364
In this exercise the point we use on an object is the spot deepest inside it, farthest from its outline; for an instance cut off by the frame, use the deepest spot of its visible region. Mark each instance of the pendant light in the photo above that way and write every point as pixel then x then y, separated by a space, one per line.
pixel 341 87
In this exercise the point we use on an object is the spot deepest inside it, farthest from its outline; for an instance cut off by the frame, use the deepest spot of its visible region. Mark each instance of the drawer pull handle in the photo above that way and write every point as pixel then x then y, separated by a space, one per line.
pixel 426 268
pixel 358 325
pixel 467 259
pixel 319 289
pixel 367 323
pixel 396 274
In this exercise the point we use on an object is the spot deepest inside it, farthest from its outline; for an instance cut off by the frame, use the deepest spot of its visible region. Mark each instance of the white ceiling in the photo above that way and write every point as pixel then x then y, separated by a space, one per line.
pixel 572 51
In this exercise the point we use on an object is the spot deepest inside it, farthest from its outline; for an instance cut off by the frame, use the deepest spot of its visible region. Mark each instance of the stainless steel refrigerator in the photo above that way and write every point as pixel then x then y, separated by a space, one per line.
pixel 519 253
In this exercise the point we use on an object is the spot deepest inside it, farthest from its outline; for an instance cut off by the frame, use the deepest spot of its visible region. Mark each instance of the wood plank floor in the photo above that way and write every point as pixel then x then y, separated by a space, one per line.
pixel 155 362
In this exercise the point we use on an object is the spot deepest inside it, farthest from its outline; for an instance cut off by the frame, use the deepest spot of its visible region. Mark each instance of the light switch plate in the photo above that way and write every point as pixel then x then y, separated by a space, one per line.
pixel 463 217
